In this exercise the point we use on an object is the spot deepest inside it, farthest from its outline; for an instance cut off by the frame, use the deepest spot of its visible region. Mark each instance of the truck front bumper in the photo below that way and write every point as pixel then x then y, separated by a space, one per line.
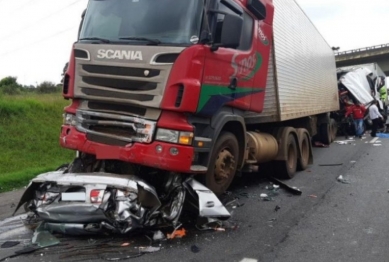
pixel 161 155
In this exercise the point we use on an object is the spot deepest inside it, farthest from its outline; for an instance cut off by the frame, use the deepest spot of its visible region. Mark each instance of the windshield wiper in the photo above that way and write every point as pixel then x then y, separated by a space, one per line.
pixel 103 40
pixel 150 40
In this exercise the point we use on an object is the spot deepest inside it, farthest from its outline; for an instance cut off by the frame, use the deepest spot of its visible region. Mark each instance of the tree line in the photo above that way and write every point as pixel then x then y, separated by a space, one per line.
pixel 10 86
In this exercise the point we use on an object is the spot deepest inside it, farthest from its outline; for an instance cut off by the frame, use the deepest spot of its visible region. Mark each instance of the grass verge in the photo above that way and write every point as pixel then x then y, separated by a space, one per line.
pixel 29 133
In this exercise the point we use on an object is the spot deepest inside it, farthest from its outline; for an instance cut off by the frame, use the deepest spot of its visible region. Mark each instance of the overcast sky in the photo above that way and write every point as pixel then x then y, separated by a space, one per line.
pixel 36 35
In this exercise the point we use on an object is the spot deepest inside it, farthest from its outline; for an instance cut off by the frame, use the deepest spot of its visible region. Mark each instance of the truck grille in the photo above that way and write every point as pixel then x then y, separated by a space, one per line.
pixel 112 126
pixel 126 85
pixel 113 94
pixel 120 84
pixel 120 71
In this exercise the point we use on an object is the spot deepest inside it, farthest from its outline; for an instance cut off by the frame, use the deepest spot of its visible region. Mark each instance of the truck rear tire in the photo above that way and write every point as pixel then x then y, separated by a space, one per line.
pixel 305 149
pixel 223 163
pixel 286 169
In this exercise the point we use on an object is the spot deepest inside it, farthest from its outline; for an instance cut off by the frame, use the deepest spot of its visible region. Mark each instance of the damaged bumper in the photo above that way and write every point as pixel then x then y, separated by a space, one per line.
pixel 82 203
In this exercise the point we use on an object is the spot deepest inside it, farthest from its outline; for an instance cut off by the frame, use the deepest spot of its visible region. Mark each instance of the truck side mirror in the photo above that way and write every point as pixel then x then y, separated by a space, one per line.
pixel 231 31
pixel 227 31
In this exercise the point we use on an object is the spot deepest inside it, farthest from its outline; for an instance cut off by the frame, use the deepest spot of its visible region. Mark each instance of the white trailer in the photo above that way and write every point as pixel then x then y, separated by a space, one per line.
pixel 301 79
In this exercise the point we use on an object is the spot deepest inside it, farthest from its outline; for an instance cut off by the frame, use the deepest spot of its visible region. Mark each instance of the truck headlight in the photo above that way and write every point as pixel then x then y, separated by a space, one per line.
pixel 173 136
pixel 69 119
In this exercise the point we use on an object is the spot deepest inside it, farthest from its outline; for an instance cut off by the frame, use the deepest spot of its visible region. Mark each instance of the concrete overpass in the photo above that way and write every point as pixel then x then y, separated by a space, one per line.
pixel 375 54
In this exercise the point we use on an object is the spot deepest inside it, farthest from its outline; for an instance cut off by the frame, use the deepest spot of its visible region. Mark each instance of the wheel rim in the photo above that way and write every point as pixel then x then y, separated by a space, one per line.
pixel 224 166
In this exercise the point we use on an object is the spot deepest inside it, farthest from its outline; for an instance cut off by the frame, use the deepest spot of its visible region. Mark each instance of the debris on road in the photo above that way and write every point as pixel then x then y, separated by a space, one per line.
pixel 209 204
pixel 272 187
pixel 158 236
pixel 9 244
pixel 149 249
pixel 382 135
pixel 178 233
pixel 342 180
pixel 277 208
pixel 345 142
pixel 267 198
pixel 338 164
pixel 26 250
pixel 44 239
pixel 313 196
pixel 319 144
pixel 195 249
pixel 292 190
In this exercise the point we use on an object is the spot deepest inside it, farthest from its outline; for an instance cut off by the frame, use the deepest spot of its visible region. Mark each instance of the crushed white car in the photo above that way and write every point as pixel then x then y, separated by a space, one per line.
pixel 85 203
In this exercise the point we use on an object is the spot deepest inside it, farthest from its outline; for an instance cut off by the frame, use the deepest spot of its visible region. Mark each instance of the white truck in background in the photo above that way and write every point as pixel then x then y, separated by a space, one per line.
pixel 361 83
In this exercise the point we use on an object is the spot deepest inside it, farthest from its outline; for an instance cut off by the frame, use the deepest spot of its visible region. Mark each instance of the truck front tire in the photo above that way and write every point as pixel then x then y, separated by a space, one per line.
pixel 223 163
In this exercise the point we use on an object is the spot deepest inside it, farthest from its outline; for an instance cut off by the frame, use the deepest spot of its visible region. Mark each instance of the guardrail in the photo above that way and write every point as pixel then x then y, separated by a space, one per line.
pixel 362 49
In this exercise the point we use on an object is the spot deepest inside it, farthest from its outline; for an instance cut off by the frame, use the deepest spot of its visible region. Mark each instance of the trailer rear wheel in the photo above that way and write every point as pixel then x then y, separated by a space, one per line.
pixel 286 169
pixel 223 163
pixel 305 152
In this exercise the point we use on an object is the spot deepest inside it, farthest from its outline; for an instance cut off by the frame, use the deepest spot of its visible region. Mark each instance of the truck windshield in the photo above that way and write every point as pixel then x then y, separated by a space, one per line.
pixel 143 21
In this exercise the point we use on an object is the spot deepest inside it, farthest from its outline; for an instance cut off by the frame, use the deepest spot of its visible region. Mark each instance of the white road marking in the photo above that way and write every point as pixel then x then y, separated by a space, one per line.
pixel 373 140
pixel 249 260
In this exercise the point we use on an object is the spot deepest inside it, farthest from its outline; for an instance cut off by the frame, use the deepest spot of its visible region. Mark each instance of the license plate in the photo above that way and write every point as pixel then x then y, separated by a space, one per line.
pixel 74 196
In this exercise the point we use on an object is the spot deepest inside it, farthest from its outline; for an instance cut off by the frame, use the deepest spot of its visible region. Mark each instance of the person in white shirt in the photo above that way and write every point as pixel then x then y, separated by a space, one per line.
pixel 375 116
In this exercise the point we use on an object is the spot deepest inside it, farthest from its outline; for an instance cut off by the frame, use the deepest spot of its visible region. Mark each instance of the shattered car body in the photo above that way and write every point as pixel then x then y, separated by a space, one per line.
pixel 85 203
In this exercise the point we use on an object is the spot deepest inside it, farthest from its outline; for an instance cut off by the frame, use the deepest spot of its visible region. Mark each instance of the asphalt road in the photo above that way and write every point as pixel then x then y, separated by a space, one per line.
pixel 330 221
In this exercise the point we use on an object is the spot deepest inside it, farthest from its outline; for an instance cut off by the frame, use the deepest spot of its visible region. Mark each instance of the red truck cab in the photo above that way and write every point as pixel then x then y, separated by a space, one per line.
pixel 157 84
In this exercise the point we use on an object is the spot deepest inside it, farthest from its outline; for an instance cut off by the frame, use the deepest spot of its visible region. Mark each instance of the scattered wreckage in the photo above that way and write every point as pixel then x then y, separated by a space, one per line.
pixel 89 203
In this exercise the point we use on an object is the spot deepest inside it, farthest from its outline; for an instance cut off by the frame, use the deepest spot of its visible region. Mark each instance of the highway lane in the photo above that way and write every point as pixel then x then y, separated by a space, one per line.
pixel 330 221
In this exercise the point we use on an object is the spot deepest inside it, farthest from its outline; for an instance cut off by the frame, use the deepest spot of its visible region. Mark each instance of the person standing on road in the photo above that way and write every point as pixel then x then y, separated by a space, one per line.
pixel 375 116
pixel 358 112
